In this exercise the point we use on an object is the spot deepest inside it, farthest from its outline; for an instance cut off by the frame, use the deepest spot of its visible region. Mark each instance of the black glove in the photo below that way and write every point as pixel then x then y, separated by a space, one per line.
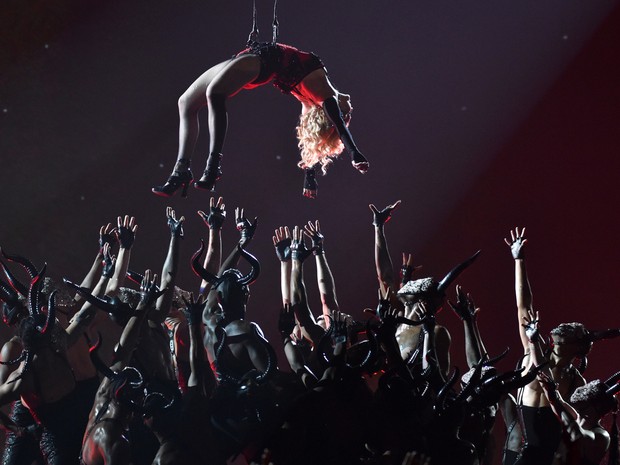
pixel 283 249
pixel 109 263
pixel 317 243
pixel 149 291
pixel 107 238
pixel 380 217
pixel 246 228
pixel 339 334
pixel 176 226
pixel 193 310
pixel 215 218
pixel 406 271
pixel 464 307
pixel 125 237
pixel 299 251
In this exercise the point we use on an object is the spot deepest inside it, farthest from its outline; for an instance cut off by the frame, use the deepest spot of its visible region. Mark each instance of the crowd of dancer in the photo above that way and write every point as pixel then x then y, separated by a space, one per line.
pixel 193 380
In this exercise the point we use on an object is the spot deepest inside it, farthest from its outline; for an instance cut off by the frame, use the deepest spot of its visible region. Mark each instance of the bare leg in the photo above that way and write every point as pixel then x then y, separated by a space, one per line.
pixel 228 82
pixel 190 103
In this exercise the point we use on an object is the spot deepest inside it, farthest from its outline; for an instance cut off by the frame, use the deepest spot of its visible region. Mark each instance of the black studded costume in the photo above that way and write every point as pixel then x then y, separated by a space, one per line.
pixel 284 65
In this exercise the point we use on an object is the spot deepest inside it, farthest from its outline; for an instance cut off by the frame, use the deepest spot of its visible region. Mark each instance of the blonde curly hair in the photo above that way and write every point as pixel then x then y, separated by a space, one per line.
pixel 318 139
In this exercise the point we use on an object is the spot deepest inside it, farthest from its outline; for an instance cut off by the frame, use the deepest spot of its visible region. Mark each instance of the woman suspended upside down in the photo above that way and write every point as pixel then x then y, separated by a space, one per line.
pixel 322 131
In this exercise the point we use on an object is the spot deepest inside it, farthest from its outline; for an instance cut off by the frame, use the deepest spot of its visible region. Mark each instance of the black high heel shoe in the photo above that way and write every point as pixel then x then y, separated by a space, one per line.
pixel 177 180
pixel 212 173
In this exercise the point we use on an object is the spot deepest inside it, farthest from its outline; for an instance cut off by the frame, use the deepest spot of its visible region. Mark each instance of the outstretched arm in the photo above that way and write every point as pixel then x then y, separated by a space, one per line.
pixel 325 279
pixel 131 333
pixel 247 229
pixel 536 357
pixel 332 110
pixel 299 299
pixel 126 233
pixel 214 221
pixel 282 244
pixel 523 292
pixel 84 318
pixel 383 261
pixel 106 236
pixel 171 265
pixel 466 309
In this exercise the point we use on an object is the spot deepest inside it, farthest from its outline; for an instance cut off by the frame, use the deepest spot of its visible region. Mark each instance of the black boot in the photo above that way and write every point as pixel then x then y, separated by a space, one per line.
pixel 212 173
pixel 181 177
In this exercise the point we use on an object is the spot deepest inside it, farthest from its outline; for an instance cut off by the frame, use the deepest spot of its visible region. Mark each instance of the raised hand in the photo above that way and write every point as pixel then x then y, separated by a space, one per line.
pixel 465 307
pixel 193 309
pixel 176 226
pixel 245 226
pixel 286 321
pixel 109 262
pixel 380 217
pixel 427 318
pixel 339 322
pixel 217 213
pixel 388 316
pixel 313 231
pixel 516 243
pixel 530 323
pixel 282 243
pixel 549 386
pixel 299 250
pixel 126 231
pixel 384 307
pixel 407 268
pixel 149 292
pixel 107 235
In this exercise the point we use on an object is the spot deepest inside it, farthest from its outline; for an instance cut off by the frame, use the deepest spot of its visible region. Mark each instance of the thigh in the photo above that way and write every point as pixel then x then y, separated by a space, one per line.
pixel 237 73
pixel 196 93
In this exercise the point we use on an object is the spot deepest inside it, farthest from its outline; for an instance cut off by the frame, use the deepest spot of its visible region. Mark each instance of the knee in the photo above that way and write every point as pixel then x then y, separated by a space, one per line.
pixel 187 104
pixel 215 95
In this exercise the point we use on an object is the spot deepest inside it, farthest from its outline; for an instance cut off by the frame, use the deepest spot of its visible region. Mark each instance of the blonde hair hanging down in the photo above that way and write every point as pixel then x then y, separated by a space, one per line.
pixel 318 139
